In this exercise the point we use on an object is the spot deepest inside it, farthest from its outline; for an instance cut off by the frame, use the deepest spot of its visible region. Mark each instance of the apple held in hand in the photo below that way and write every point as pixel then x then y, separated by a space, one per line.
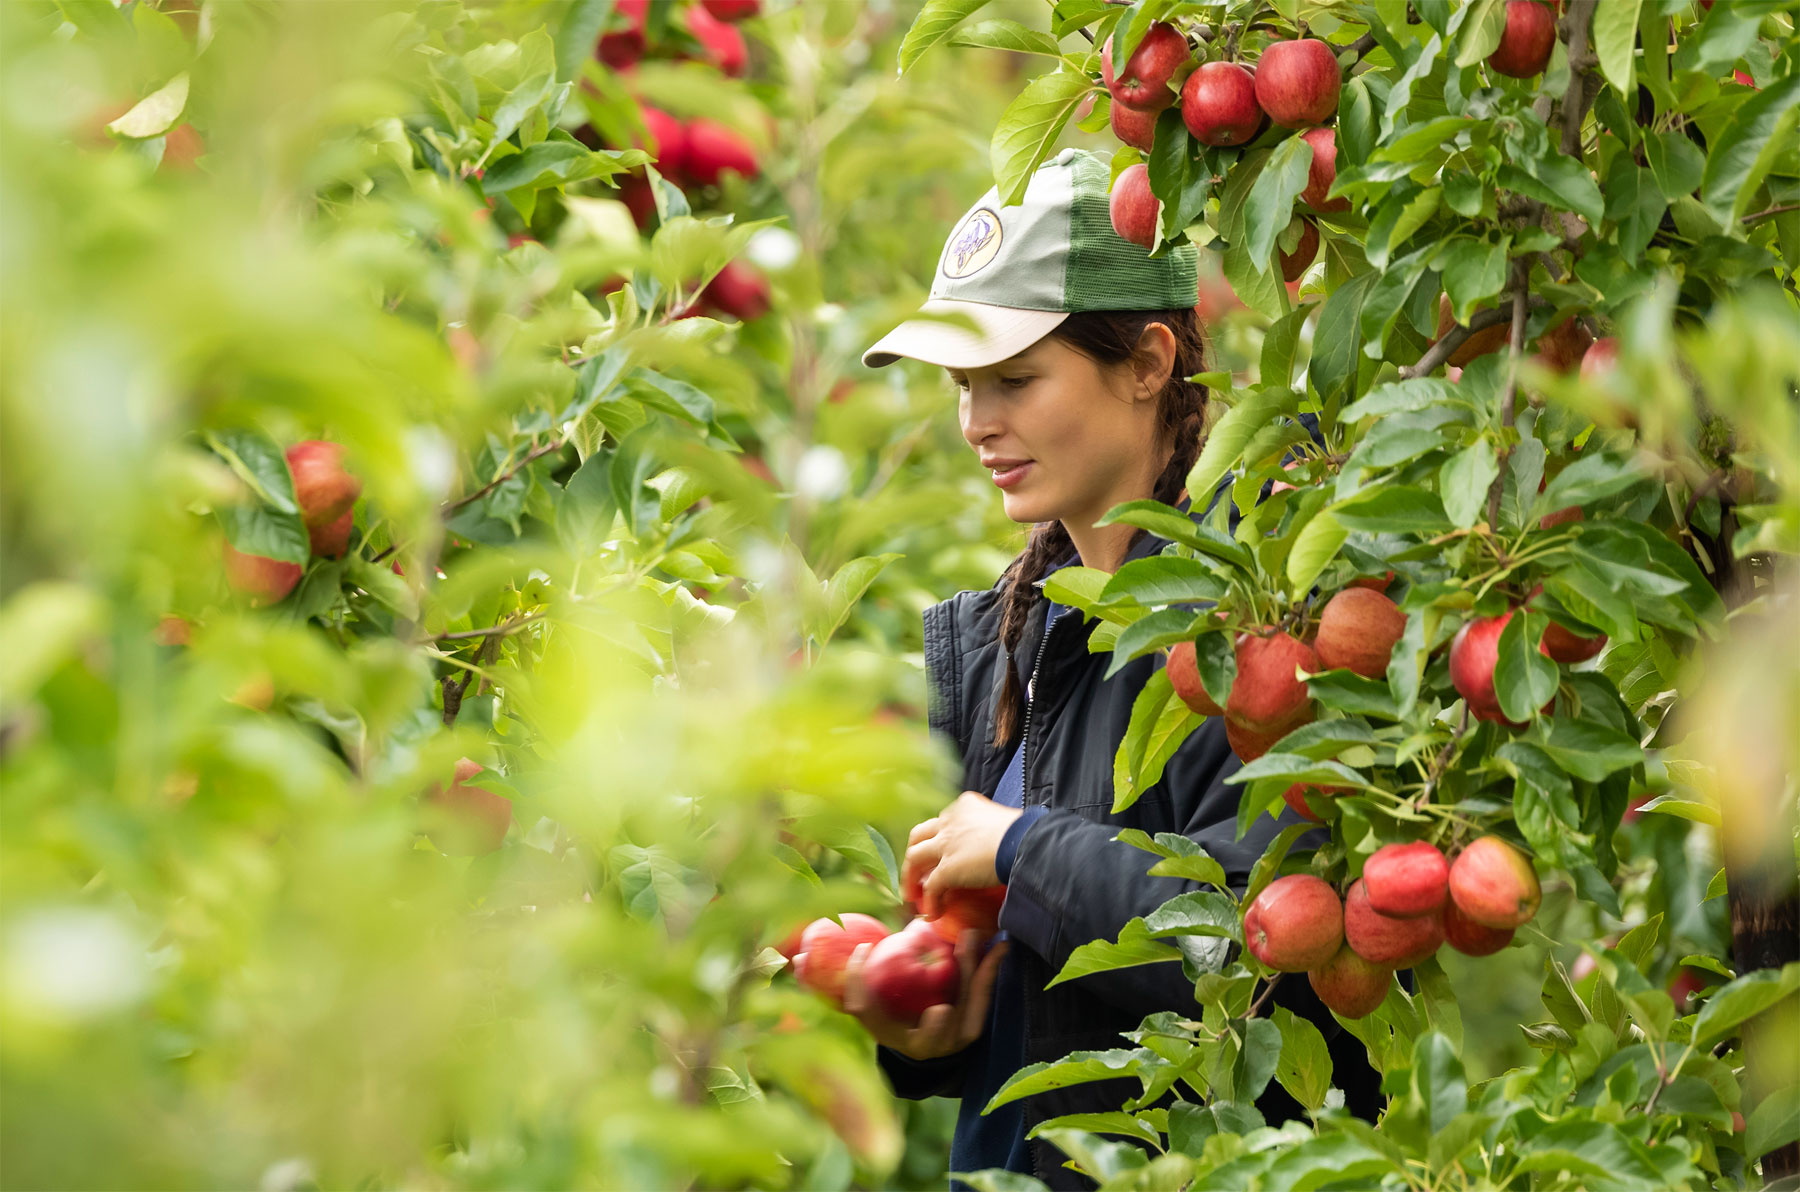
pixel 1144 83
pixel 964 908
pixel 1388 939
pixel 1218 104
pixel 1494 884
pixel 1357 631
pixel 1406 880
pixel 1350 985
pixel 826 947
pixel 1297 82
pixel 1134 206
pixel 1295 924
pixel 911 971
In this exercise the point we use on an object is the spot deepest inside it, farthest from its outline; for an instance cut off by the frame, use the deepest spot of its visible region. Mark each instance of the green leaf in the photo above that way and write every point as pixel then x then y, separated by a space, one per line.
pixel 1228 438
pixel 1438 1080
pixel 1163 579
pixel 1289 767
pixel 1399 397
pixel 1139 1126
pixel 1773 1123
pixel 1482 26
pixel 1250 276
pixel 1352 694
pixel 843 590
pixel 1269 864
pixel 1279 342
pixel 1080 1067
pixel 1614 37
pixel 1588 749
pixel 1393 509
pixel 1337 343
pixel 1001 34
pixel 1587 1148
pixel 1314 548
pixel 576 33
pixel 259 530
pixel 1464 481
pixel 1134 946
pixel 1159 724
pixel 259 463
pixel 1687 809
pixel 1304 1068
pixel 935 22
pixel 1743 999
pixel 1567 185
pixel 1257 1059
pixel 1156 631
pixel 156 113
pixel 1473 270
pixel 1272 197
pixel 380 582
pixel 1676 162
pixel 1171 523
pixel 1028 129
pixel 557 161
pixel 1744 151
pixel 1216 660
pixel 1635 204
pixel 1197 912
pixel 1523 678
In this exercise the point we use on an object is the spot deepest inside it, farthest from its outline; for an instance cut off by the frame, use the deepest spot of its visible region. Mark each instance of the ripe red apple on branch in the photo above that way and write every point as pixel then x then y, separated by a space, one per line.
pixel 1297 82
pixel 1294 924
pixel 1349 984
pixel 713 150
pixel 322 488
pixel 1134 207
pixel 264 580
pixel 1526 41
pixel 1144 83
pixel 1494 884
pixel 1266 694
pixel 1322 172
pixel 1218 104
pixel 1474 652
pixel 1392 940
pixel 1407 880
pixel 1293 265
pixel 1133 126
pixel 1184 677
pixel 1469 937
pixel 1357 631
pixel 732 10
pixel 464 820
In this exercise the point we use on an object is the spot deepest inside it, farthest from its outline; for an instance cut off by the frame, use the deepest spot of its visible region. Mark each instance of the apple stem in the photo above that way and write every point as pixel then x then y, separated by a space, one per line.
pixel 1264 995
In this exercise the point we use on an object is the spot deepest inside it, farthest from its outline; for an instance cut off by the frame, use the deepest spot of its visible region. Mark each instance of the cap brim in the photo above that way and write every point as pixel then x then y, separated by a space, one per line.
pixel 1002 332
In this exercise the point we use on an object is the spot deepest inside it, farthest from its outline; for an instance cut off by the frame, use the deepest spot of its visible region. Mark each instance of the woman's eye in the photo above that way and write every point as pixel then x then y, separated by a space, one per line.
pixel 1017 382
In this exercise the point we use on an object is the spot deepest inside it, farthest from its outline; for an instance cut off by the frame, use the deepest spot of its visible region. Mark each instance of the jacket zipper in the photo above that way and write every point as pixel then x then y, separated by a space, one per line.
pixel 1030 699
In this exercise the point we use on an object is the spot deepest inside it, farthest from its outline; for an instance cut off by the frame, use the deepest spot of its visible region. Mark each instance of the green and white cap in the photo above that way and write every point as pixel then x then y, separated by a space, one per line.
pixel 1019 271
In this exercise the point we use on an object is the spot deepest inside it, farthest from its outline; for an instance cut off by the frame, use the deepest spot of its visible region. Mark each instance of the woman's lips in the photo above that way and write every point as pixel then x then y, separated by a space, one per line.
pixel 1012 475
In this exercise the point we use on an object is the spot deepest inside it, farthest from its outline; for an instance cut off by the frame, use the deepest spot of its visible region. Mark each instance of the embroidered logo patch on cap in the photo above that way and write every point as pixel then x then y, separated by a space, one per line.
pixel 974 245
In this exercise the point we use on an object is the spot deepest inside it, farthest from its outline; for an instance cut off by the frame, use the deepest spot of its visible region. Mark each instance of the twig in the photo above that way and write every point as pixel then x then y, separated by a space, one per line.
pixel 1452 340
pixel 1264 995
pixel 1521 275
pixel 1575 100
pixel 532 457
pixel 1769 213
pixel 496 631
pixel 1443 758
pixel 1360 48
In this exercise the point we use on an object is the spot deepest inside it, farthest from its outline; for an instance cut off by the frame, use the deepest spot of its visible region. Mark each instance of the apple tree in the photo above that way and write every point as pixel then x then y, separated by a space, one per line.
pixel 1511 433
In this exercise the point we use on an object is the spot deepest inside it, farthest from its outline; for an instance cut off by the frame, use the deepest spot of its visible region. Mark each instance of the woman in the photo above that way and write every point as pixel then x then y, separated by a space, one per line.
pixel 1073 392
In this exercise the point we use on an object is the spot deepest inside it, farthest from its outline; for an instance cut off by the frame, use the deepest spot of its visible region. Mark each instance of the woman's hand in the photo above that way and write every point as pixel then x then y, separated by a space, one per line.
pixel 942 1029
pixel 955 848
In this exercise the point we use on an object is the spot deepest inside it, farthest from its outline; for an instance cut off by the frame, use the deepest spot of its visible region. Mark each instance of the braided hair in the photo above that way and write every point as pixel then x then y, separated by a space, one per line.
pixel 1109 337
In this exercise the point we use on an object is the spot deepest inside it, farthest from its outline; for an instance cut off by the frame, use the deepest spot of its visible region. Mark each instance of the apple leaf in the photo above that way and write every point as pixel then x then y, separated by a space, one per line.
pixel 1775 1122
pixel 1464 480
pixel 1029 127
pixel 1523 678
pixel 1743 999
pixel 1304 1067
pixel 1740 156
pixel 1003 34
pixel 1272 196
pixel 1159 724
pixel 1163 579
pixel 1482 27
pixel 1197 912
pixel 935 22
pixel 155 113
pixel 1614 38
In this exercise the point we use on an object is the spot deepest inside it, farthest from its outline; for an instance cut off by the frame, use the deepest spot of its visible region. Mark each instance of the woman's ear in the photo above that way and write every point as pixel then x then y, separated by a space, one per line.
pixel 1155 359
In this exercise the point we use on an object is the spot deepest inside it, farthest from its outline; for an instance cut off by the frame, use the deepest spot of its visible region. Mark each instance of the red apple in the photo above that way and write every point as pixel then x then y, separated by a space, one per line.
pixel 1249 744
pixel 1407 880
pixel 1527 40
pixel 622 48
pixel 910 971
pixel 827 947
pixel 1375 583
pixel 738 290
pixel 1469 937
pixel 1218 104
pixel 1184 676
pixel 1134 206
pixel 463 820
pixel 330 542
pixel 1294 264
pixel 1569 513
pixel 323 489
pixel 668 142
pixel 1295 924
pixel 1323 171
pixel 713 149
pixel 1350 985
pixel 1133 126
pixel 1388 939
pixel 1601 358
pixel 961 908
pixel 1296 797
pixel 1563 645
pixel 1494 884
pixel 1144 83
pixel 1297 82
pixel 1488 339
pixel 1473 654
pixel 1266 695
pixel 1684 983
pixel 732 10
pixel 1563 347
pixel 181 145
pixel 262 579
pixel 1357 631
pixel 634 192
pixel 723 44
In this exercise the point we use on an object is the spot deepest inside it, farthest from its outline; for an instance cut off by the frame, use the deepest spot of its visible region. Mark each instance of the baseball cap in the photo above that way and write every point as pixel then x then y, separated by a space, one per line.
pixel 1018 271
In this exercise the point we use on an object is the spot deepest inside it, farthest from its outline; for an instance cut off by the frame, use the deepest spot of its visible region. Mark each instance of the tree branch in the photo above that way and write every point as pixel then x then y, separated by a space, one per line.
pixel 1521 270
pixel 1264 995
pixel 1452 340
pixel 1581 63
pixel 1769 213
pixel 532 457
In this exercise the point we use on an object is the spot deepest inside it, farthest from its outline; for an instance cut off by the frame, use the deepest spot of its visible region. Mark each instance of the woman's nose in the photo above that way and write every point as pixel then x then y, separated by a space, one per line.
pixel 979 417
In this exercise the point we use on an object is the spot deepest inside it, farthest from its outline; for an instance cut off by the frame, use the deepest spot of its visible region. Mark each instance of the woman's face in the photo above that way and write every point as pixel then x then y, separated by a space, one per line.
pixel 1081 434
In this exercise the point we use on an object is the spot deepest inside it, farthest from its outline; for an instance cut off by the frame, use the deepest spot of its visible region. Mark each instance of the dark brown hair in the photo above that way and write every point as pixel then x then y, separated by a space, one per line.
pixel 1110 338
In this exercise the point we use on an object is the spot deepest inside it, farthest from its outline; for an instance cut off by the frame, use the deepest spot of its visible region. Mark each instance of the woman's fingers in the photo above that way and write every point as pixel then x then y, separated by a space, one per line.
pixel 915 870
pixel 921 830
pixel 856 994
pixel 980 993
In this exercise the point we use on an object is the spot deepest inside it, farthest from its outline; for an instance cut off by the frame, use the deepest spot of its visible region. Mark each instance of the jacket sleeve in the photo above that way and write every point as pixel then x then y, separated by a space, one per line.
pixel 918 1079
pixel 1072 883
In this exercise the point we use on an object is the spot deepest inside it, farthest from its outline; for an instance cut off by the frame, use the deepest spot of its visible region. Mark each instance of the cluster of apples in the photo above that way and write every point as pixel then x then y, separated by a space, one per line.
pixel 710 22
pixel 325 492
pixel 906 972
pixel 1409 902
pixel 1356 630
